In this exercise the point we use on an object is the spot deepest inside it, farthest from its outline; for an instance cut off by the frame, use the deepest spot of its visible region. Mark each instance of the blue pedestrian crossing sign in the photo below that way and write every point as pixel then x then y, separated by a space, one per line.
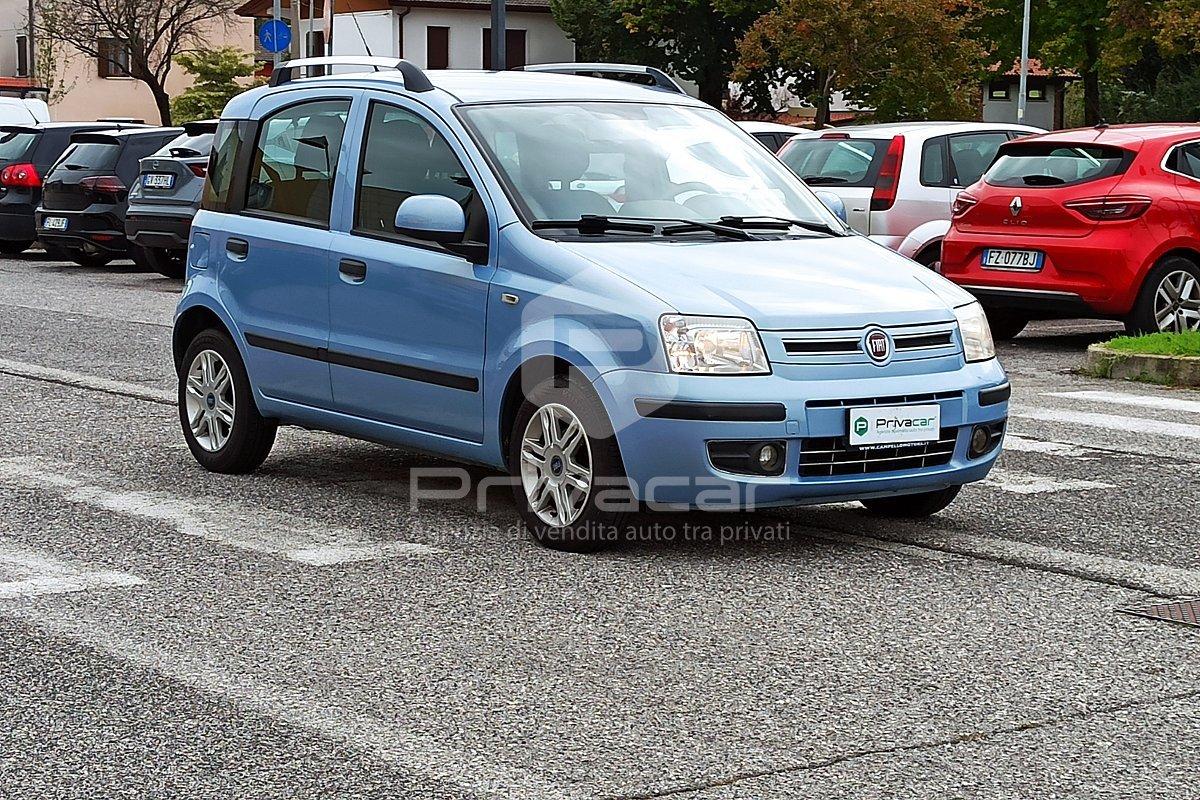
pixel 275 36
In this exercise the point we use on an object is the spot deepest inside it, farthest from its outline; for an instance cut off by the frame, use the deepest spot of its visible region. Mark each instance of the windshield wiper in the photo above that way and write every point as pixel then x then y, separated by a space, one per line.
pixel 595 224
pixel 822 180
pixel 692 225
pixel 778 223
pixel 1042 180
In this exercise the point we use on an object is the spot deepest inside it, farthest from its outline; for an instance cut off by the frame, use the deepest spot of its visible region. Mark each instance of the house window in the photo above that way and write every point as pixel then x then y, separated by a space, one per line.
pixel 1037 95
pixel 998 90
pixel 514 48
pixel 437 47
pixel 112 60
pixel 22 56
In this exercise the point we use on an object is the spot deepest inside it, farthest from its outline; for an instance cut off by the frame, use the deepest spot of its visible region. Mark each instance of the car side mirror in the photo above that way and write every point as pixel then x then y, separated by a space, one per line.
pixel 834 204
pixel 431 218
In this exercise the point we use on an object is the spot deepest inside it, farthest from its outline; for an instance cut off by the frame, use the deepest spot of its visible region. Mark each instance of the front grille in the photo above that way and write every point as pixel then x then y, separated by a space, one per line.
pixel 804 347
pixel 924 341
pixel 895 400
pixel 826 457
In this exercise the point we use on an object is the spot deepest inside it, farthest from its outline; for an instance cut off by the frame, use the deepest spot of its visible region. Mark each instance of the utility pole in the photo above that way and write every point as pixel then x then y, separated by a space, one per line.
pixel 1024 83
pixel 277 14
pixel 32 55
pixel 499 39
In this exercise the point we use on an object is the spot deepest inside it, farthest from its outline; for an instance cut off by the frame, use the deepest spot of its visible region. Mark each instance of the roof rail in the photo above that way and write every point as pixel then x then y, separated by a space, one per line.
pixel 601 70
pixel 415 79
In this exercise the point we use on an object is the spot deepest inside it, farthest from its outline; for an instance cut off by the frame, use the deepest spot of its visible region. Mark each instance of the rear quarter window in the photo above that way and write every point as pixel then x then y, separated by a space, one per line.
pixel 226 145
pixel 834 162
pixel 1034 164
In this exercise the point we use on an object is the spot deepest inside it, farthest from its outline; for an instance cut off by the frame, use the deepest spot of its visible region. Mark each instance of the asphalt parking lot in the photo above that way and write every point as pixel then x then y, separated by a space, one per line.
pixel 304 632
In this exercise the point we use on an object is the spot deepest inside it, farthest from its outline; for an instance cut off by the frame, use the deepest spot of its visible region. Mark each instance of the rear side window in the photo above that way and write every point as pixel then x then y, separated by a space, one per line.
pixel 94 156
pixel 295 160
pixel 1185 159
pixel 1049 164
pixel 226 143
pixel 834 162
pixel 16 143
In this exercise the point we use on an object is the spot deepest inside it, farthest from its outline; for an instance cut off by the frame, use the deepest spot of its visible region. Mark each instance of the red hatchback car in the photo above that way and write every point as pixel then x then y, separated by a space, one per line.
pixel 1101 222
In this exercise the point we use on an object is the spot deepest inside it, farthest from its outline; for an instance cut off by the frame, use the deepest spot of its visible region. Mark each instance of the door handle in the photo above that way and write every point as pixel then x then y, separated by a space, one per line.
pixel 237 248
pixel 352 271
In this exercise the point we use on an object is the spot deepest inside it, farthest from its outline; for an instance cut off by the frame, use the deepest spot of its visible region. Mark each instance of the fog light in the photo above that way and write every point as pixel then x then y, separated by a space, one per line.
pixel 768 458
pixel 981 441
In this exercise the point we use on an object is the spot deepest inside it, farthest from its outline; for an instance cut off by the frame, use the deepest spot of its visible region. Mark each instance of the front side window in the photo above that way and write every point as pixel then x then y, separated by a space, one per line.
pixel 295 160
pixel 1036 164
pixel 404 156
pixel 561 161
pixel 973 153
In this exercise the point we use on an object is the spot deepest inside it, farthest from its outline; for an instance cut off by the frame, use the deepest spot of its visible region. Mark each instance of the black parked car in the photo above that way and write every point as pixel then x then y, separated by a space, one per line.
pixel 86 194
pixel 26 154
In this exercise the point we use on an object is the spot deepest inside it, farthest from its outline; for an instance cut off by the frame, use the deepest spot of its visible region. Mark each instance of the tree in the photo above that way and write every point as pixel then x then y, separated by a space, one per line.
pixel 907 59
pixel 216 83
pixel 151 32
pixel 694 39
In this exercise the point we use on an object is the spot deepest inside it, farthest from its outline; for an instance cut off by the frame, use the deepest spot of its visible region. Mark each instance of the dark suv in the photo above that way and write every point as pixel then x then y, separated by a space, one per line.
pixel 86 194
pixel 26 154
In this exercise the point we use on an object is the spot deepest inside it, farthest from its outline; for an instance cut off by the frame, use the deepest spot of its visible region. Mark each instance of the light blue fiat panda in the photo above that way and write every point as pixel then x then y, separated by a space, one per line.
pixel 605 290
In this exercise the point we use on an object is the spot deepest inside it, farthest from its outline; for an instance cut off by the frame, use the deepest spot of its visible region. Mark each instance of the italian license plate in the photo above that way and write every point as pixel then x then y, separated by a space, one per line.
pixel 1029 260
pixel 55 223
pixel 884 426
pixel 156 180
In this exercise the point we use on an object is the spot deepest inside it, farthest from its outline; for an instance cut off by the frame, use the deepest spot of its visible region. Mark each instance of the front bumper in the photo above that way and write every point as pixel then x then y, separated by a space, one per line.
pixel 88 230
pixel 667 460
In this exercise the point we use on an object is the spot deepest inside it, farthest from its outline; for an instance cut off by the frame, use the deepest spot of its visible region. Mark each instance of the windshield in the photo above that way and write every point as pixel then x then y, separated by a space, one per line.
pixel 563 161
pixel 834 162
pixel 1035 164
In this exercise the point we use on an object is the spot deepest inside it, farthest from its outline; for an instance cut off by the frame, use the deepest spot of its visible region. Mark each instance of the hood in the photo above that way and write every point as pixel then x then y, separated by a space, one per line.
pixel 783 284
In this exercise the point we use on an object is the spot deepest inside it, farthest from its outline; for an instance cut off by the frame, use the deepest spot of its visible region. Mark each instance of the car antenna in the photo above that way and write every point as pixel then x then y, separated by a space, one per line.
pixel 1102 124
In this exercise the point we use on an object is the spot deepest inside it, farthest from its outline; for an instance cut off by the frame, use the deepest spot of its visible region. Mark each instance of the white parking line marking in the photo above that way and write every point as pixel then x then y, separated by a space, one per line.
pixel 32 574
pixel 257 530
pixel 1027 483
pixel 80 380
pixel 1021 444
pixel 1124 399
pixel 1112 422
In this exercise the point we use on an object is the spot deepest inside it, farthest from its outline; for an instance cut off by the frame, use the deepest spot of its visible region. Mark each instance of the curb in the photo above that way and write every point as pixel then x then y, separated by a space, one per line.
pixel 1104 362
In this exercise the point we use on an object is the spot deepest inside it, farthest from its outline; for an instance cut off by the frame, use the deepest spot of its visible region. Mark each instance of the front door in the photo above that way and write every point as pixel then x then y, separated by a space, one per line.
pixel 276 272
pixel 407 317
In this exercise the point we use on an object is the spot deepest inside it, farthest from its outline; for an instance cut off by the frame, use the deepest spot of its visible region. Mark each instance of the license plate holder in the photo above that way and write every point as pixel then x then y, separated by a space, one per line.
pixel 54 223
pixel 158 180
pixel 1013 260
pixel 894 426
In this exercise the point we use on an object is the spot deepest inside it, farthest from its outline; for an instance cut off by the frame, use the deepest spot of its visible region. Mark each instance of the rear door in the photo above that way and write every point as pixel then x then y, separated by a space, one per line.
pixel 274 253
pixel 841 165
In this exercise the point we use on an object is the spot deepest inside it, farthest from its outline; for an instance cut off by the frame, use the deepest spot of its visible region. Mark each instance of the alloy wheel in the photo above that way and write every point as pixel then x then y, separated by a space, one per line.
pixel 1177 302
pixel 556 465
pixel 210 400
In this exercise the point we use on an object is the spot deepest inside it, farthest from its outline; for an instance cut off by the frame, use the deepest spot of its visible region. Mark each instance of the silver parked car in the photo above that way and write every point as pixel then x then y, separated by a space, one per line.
pixel 165 197
pixel 899 180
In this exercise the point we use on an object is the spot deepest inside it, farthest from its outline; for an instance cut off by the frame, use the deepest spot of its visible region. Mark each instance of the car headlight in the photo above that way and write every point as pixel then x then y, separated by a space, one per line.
pixel 976 333
pixel 713 345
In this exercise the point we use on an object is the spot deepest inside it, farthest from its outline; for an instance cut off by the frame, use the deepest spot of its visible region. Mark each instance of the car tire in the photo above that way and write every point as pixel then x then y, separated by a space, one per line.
pixel 169 263
pixel 90 260
pixel 931 258
pixel 11 248
pixel 549 459
pixel 912 506
pixel 1157 304
pixel 220 419
pixel 1006 324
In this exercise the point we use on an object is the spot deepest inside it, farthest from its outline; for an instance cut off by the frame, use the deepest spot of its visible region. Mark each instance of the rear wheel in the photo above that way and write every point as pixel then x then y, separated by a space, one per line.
pixel 931 257
pixel 220 420
pixel 925 504
pixel 1169 300
pixel 10 248
pixel 161 260
pixel 565 464
pixel 1006 324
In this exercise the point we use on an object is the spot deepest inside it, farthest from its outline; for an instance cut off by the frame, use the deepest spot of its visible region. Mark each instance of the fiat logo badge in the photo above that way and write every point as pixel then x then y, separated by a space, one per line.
pixel 878 345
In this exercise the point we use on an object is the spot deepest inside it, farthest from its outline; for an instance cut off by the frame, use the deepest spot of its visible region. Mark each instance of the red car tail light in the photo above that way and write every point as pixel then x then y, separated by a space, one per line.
pixel 835 136
pixel 962 204
pixel 1111 207
pixel 199 170
pixel 20 176
pixel 883 196
pixel 108 185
